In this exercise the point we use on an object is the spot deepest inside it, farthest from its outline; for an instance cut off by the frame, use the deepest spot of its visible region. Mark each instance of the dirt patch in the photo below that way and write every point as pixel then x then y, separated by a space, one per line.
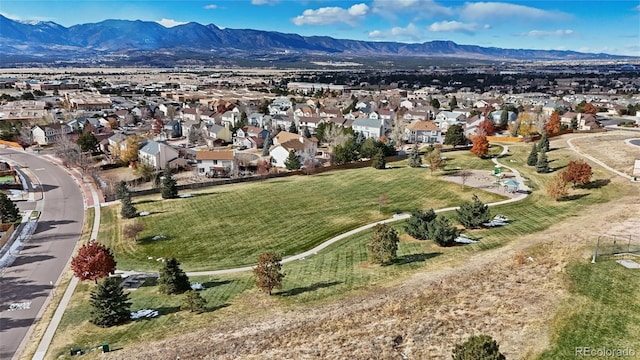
pixel 609 148
pixel 511 293
pixel 482 179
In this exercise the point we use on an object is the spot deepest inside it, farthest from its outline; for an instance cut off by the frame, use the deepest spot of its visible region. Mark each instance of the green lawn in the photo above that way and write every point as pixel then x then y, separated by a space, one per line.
pixel 603 311
pixel 343 268
pixel 230 226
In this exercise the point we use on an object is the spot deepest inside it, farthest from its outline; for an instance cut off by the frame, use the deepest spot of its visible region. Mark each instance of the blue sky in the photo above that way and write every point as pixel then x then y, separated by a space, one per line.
pixel 610 26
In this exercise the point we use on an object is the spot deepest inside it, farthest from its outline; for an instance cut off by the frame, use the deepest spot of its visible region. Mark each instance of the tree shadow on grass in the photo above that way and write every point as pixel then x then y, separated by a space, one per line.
pixel 166 310
pixel 217 307
pixel 304 289
pixel 596 184
pixel 214 283
pixel 147 201
pixel 412 258
pixel 573 197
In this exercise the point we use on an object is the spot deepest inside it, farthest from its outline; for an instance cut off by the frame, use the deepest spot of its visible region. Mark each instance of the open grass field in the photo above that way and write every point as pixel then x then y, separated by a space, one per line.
pixel 229 226
pixel 610 148
pixel 341 275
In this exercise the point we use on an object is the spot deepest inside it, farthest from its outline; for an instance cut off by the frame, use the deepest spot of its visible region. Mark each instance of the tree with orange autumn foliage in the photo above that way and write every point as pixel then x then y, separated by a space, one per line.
pixel 553 124
pixel 486 128
pixel 480 146
pixel 578 172
pixel 589 109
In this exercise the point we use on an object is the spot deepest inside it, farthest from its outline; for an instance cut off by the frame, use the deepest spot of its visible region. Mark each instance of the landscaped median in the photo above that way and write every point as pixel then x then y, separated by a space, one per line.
pixel 228 226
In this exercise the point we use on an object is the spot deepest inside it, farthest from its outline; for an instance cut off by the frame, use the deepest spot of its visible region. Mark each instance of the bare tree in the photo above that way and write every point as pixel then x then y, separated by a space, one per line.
pixel 464 176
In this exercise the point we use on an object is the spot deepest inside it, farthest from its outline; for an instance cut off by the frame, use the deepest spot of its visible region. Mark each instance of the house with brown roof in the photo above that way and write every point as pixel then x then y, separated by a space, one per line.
pixel 216 163
pixel 304 148
pixel 49 134
pixel 421 131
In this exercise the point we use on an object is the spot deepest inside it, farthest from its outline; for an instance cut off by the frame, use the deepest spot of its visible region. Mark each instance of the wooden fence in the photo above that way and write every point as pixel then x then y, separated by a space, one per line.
pixel 8 230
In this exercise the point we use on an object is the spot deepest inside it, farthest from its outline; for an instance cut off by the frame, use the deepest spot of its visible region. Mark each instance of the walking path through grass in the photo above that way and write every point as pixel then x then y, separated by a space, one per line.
pixel 574 149
pixel 335 239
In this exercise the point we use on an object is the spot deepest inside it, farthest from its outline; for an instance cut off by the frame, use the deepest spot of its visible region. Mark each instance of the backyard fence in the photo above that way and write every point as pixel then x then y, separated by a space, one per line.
pixel 616 245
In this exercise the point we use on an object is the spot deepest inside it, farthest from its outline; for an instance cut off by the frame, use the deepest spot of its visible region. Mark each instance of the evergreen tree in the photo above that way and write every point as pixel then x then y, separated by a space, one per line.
pixel 383 244
pixel 543 143
pixel 127 210
pixel 453 103
pixel 504 118
pixel 418 224
pixel 307 133
pixel 292 162
pixel 415 160
pixel 379 161
pixel 435 103
pixel 442 232
pixel 478 347
pixel 473 214
pixel 455 136
pixel 122 190
pixel 532 160
pixel 9 212
pixel 193 302
pixel 293 129
pixel 172 279
pixel 169 185
pixel 110 305
pixel 87 141
pixel 542 166
pixel 267 144
pixel 368 148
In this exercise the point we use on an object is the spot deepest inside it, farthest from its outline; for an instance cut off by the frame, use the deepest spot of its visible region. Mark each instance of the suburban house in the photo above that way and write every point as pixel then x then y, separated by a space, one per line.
pixel 250 137
pixel 471 128
pixel 283 121
pixel 304 148
pixel 444 119
pixel 188 126
pixel 230 117
pixel 258 119
pixel 220 163
pixel 280 106
pixel 588 122
pixel 49 134
pixel 173 129
pixel 216 132
pixel 190 114
pixel 156 154
pixel 369 127
pixel 310 123
pixel 423 131
pixel 568 117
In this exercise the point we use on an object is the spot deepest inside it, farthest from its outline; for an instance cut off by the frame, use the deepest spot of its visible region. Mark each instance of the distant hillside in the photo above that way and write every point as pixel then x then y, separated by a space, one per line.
pixel 47 41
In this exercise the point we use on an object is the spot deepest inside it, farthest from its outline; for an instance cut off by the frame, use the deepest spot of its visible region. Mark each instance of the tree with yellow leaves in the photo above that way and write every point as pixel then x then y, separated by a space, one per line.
pixel 527 126
pixel 130 151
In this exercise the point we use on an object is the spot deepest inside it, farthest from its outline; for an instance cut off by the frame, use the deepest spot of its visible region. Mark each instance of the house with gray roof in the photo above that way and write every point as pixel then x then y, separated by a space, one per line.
pixel 156 154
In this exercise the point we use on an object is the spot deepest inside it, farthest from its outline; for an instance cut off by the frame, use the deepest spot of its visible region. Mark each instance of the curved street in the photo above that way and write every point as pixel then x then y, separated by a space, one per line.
pixel 29 281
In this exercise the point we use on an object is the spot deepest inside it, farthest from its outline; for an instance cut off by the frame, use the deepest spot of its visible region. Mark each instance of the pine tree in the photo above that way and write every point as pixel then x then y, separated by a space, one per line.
pixel 473 214
pixel 169 185
pixel 306 132
pixel 9 212
pixel 193 302
pixel 172 279
pixel 415 160
pixel 267 144
pixel 122 190
pixel 532 160
pixel 442 232
pixel 292 162
pixel 383 244
pixel 293 129
pixel 110 305
pixel 455 136
pixel 379 161
pixel 543 143
pixel 504 118
pixel 127 210
pixel 542 166
pixel 418 224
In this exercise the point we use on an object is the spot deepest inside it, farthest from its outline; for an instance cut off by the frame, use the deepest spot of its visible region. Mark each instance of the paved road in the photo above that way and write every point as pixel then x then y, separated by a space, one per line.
pixel 28 282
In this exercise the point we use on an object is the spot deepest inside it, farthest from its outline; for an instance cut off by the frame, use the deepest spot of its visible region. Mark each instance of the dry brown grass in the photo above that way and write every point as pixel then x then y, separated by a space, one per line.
pixel 432 310
pixel 608 147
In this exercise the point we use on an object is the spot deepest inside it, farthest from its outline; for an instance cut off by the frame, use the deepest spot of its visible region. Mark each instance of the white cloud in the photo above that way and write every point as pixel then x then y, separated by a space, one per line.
pixel 168 23
pixel 545 33
pixel 637 8
pixel 499 10
pixel 264 2
pixel 332 15
pixel 452 26
pixel 210 7
pixel 410 32
pixel 417 7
